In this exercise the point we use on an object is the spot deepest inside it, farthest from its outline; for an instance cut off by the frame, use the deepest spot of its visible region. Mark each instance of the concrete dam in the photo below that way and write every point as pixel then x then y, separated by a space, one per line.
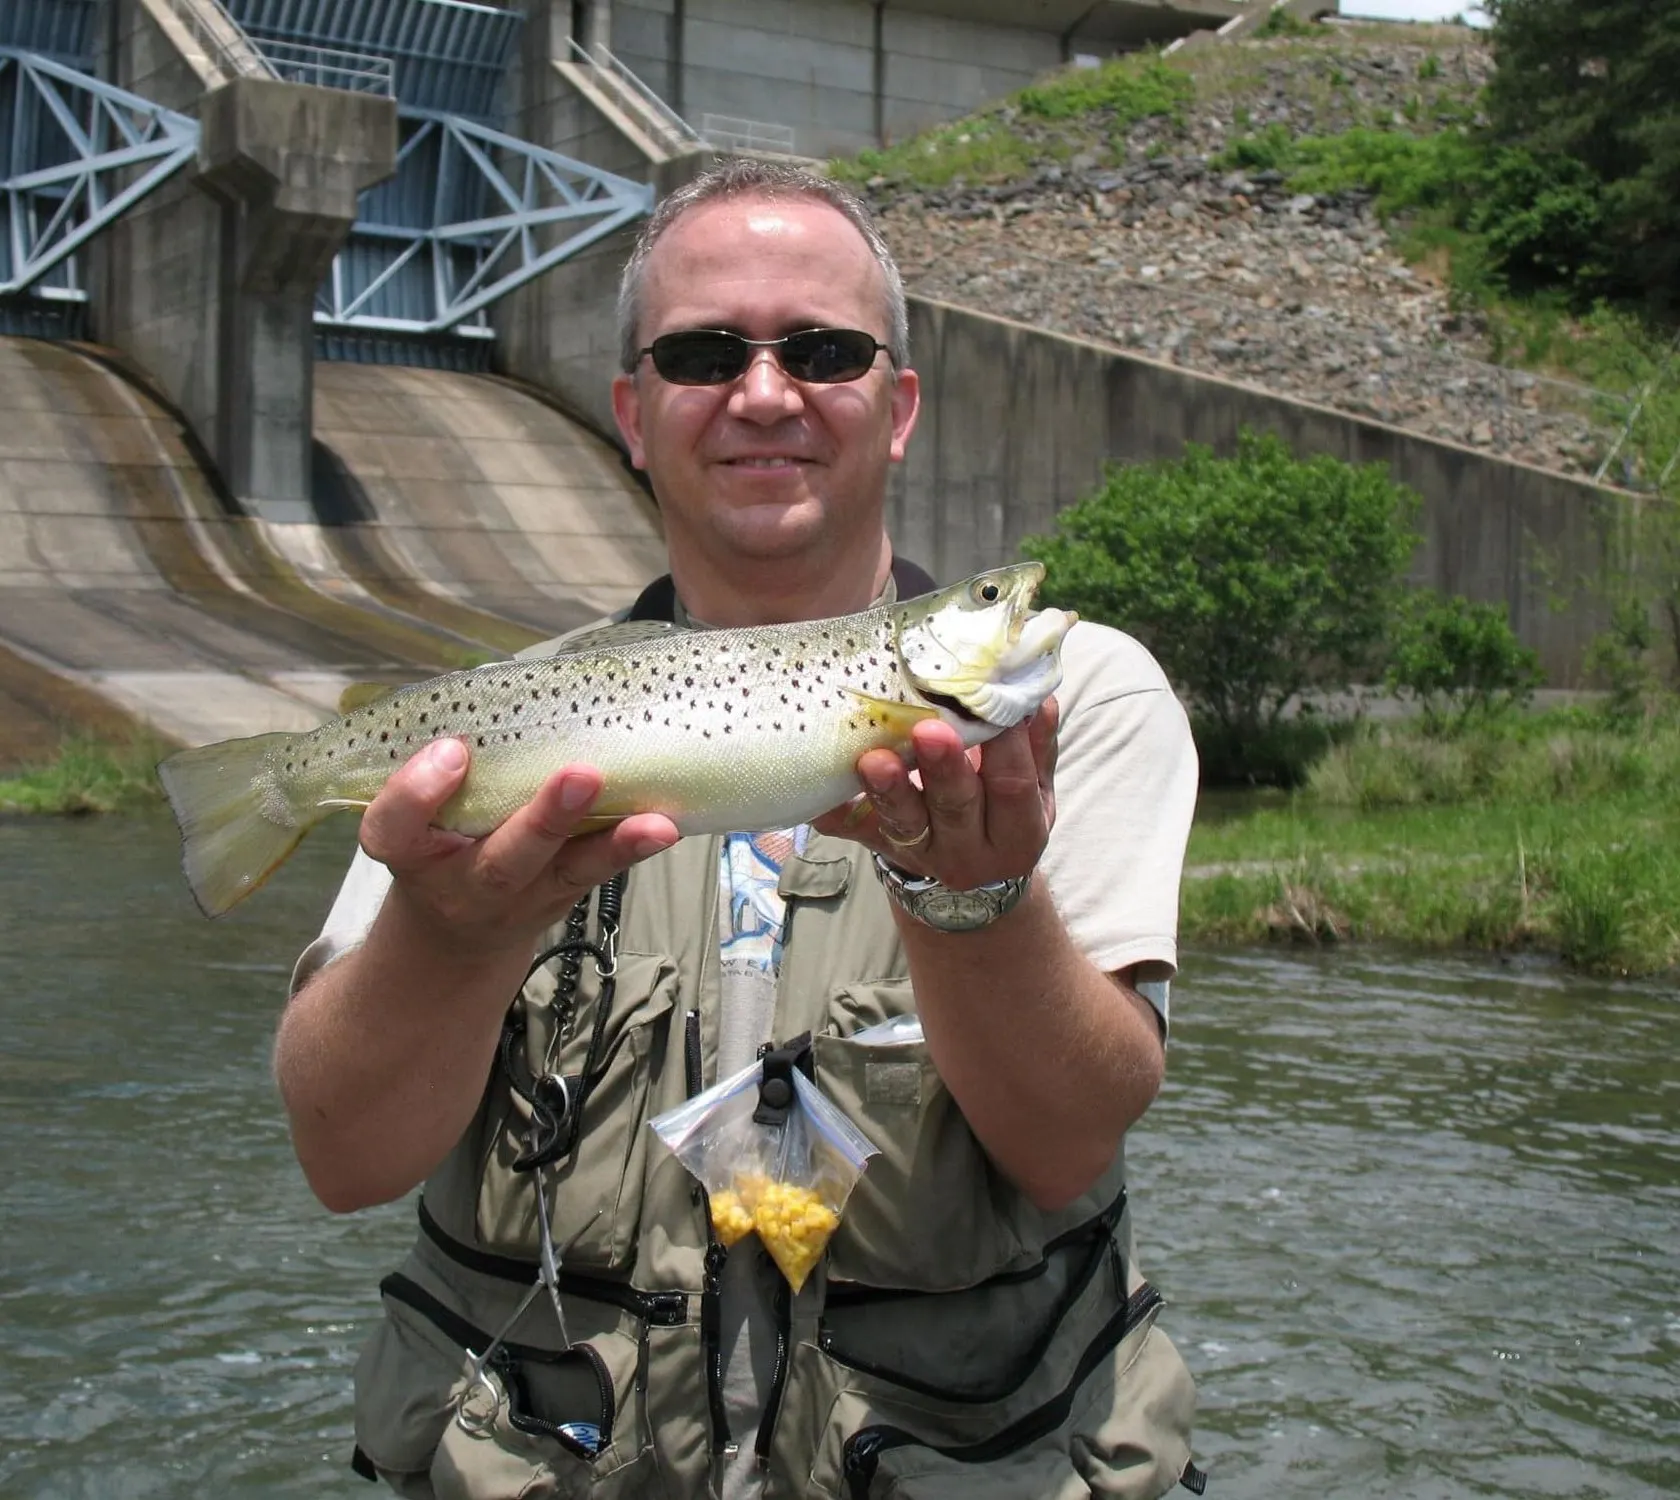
pixel 307 331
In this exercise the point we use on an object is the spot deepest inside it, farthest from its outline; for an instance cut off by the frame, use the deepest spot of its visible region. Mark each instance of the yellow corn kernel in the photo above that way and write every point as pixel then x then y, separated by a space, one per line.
pixel 731 1218
pixel 795 1226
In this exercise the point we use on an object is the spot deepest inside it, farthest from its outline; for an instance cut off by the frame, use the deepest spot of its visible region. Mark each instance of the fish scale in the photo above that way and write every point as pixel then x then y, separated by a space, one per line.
pixel 720 730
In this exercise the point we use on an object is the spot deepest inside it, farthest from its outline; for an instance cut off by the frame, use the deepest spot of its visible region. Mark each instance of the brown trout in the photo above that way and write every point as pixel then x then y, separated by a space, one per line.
pixel 721 730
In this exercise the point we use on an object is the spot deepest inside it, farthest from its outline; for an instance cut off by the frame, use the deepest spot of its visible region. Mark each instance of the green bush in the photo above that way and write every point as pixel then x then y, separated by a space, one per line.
pixel 1130 89
pixel 1458 661
pixel 1254 579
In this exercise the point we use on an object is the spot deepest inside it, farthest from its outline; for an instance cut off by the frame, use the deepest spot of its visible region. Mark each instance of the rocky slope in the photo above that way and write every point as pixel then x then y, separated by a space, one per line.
pixel 1145 245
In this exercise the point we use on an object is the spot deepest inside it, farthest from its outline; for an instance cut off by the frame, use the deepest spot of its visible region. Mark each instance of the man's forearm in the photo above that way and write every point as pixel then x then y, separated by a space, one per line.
pixel 382 1058
pixel 1049 1058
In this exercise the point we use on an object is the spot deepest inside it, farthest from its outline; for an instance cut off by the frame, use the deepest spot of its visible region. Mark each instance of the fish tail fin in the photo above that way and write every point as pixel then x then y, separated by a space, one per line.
pixel 221 797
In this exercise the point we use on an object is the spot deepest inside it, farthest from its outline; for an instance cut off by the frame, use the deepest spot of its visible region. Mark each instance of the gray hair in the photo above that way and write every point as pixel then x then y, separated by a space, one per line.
pixel 745 177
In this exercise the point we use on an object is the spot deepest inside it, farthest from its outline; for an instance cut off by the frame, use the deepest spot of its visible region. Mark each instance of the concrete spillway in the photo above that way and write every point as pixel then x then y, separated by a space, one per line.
pixel 460 518
pixel 471 502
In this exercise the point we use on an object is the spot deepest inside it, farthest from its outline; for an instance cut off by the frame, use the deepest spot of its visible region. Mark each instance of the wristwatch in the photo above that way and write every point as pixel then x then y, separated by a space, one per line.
pixel 934 904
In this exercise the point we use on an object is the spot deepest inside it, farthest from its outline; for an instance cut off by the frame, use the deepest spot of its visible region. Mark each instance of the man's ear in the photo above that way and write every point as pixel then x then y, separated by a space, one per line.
pixel 627 412
pixel 906 402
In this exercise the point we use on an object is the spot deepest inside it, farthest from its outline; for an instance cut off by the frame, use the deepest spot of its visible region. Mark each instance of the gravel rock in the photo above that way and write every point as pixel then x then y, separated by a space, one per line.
pixel 1229 272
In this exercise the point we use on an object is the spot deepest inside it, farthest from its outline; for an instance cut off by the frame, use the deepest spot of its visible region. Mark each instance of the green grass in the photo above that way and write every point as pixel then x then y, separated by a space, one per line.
pixel 1550 833
pixel 88 775
pixel 1046 122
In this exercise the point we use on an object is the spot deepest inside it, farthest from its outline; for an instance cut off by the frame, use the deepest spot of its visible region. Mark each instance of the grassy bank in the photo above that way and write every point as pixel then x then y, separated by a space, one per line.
pixel 88 775
pixel 1550 833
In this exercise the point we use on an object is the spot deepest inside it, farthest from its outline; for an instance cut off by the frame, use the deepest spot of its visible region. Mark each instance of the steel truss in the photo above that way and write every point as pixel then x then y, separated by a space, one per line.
pixel 542 208
pixel 81 153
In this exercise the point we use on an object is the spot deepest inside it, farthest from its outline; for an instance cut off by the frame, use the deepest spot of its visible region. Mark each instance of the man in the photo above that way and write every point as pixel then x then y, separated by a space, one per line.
pixel 977 1320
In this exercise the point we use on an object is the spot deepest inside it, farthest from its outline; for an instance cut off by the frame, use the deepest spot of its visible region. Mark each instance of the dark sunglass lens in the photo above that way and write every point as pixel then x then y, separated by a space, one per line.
pixel 826 355
pixel 698 357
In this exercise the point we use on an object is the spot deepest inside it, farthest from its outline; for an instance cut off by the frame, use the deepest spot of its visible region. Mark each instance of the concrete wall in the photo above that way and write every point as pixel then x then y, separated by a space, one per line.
pixel 822 67
pixel 1017 423
pixel 154 282
pixel 210 282
pixel 938 68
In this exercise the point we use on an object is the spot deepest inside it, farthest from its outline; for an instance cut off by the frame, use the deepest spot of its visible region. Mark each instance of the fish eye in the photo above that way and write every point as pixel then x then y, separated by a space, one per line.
pixel 988 592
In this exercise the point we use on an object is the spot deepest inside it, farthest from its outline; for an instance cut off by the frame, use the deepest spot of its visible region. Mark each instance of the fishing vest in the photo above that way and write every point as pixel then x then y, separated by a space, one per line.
pixel 955 1340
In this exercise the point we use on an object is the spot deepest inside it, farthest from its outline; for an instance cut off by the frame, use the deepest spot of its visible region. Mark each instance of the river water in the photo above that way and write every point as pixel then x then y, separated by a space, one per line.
pixel 1419 1219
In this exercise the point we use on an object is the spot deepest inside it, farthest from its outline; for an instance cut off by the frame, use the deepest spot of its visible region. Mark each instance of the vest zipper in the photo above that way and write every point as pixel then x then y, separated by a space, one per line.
pixel 692 1075
pixel 711 1340
pixel 784 1296
pixel 778 1376
pixel 861 1455
pixel 663 1309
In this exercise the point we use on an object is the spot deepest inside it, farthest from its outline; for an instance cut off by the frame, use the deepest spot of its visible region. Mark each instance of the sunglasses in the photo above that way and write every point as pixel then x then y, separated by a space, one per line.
pixel 714 356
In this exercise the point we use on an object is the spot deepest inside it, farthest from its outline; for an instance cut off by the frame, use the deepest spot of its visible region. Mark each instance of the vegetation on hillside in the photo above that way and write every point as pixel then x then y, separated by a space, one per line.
pixel 1549 200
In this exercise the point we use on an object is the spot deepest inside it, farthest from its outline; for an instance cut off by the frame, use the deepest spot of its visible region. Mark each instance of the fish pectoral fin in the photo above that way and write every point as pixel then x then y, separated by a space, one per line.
pixel 897 718
pixel 596 824
pixel 360 694
pixel 336 804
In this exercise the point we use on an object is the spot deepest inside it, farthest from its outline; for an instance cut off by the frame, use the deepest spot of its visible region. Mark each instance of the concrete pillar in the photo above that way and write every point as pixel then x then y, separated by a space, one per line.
pixel 286 162
pixel 209 283
pixel 597 27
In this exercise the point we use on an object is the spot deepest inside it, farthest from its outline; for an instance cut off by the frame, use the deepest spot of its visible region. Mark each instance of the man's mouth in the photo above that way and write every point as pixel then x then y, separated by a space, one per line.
pixel 778 461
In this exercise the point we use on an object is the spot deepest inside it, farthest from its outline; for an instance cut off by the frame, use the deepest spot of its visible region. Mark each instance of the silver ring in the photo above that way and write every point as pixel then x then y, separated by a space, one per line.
pixel 920 838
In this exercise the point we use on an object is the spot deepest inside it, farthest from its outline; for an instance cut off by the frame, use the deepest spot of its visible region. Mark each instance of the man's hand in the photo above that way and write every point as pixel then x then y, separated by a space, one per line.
pixel 501 891
pixel 976 816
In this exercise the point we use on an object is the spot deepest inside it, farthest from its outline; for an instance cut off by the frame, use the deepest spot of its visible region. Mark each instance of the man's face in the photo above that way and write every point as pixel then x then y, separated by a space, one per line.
pixel 766 467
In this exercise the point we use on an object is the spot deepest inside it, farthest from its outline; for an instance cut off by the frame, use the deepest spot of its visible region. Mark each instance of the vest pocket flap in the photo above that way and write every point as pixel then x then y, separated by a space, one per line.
pixel 1108 1413
pixel 408 1377
pixel 597 1188
pixel 930 1212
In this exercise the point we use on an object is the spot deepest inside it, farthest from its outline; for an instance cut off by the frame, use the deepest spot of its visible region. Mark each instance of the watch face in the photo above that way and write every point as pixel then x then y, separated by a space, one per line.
pixel 960 909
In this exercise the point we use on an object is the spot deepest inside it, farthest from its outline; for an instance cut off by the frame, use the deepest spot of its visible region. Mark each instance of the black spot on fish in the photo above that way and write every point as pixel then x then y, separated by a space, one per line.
pixel 481 742
pixel 384 735
pixel 437 697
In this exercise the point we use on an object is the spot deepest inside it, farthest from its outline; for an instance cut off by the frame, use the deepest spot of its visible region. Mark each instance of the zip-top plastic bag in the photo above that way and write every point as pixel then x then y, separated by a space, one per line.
pixel 776 1158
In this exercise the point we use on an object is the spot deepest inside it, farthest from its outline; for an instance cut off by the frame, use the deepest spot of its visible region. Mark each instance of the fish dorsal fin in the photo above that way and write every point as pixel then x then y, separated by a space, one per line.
pixel 899 718
pixel 608 637
pixel 361 694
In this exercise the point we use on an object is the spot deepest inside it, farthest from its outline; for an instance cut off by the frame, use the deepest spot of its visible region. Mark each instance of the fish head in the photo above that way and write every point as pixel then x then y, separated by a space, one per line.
pixel 979 652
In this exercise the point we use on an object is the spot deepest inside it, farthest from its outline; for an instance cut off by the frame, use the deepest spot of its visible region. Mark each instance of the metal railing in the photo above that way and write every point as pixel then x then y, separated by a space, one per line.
pixel 654 110
pixel 726 133
pixel 327 67
pixel 228 50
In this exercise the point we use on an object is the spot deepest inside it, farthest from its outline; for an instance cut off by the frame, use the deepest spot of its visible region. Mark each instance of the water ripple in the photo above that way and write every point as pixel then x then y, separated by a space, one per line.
pixel 1419 1219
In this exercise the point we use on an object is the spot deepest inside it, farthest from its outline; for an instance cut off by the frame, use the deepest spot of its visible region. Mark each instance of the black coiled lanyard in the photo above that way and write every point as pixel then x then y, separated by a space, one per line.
pixel 556 1100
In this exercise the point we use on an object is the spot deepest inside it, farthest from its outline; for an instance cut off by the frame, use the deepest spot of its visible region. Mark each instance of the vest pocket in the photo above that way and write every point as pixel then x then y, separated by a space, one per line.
pixel 539 1421
pixel 930 1213
pixel 1114 1420
pixel 596 1191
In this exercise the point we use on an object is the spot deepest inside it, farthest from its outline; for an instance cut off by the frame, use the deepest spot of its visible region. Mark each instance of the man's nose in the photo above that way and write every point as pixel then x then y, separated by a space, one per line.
pixel 764 390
